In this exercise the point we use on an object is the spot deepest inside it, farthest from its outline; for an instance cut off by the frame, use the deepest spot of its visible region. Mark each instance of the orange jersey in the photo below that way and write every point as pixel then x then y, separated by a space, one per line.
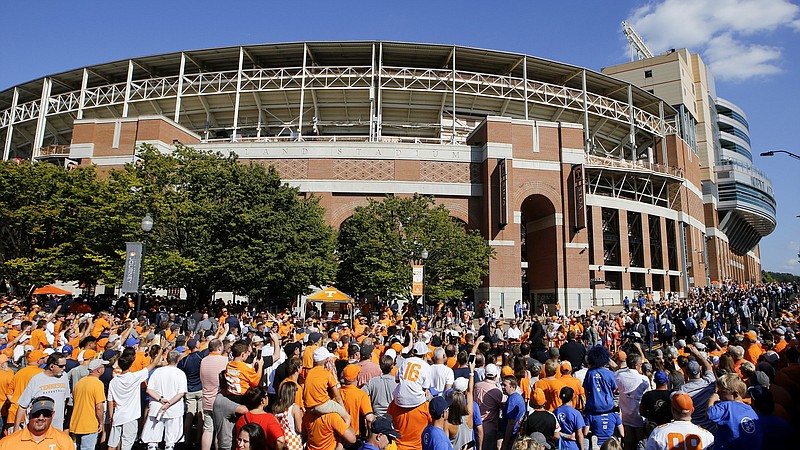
pixel 240 377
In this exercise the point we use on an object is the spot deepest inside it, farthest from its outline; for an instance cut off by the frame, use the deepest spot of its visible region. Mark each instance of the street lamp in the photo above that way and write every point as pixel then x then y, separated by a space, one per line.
pixel 147 225
pixel 772 153
pixel 424 255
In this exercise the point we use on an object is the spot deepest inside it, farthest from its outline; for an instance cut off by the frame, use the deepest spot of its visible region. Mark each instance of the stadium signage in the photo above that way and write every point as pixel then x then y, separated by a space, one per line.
pixel 133 265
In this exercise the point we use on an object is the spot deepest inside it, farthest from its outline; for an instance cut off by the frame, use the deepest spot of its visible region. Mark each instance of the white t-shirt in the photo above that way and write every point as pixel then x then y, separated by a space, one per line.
pixel 441 376
pixel 679 434
pixel 413 377
pixel 513 333
pixel 168 381
pixel 124 389
pixel 631 385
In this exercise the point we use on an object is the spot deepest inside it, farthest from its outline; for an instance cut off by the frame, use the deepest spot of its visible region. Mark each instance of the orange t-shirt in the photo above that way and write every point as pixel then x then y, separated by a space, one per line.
pixel 240 377
pixel 357 403
pixel 315 391
pixel 19 382
pixel 551 390
pixel 575 384
pixel 752 353
pixel 323 429
pixel 99 326
pixel 141 361
pixel 39 340
pixel 410 423
pixel 308 356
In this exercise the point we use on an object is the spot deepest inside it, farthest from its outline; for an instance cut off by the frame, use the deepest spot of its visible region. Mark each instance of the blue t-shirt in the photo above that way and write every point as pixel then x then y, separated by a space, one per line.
pixel 738 426
pixel 476 420
pixel 514 409
pixel 603 425
pixel 570 420
pixel 599 385
pixel 434 438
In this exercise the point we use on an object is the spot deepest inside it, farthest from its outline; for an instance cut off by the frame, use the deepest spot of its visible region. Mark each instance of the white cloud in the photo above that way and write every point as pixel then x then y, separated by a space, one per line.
pixel 724 32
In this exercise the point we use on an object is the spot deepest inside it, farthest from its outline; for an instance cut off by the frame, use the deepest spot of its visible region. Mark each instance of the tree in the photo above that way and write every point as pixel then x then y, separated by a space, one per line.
pixel 50 222
pixel 225 226
pixel 378 244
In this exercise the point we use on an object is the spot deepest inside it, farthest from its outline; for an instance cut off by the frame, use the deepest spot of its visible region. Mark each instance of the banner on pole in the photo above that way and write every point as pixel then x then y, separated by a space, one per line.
pixel 133 265
pixel 416 280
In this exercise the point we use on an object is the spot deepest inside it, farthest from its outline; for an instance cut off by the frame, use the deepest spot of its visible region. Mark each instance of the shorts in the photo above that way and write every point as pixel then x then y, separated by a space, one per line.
pixel 126 433
pixel 208 422
pixel 194 402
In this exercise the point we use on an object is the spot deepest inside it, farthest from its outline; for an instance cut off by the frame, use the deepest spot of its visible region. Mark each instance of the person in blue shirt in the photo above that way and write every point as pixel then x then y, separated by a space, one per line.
pixel 777 432
pixel 381 434
pixel 738 426
pixel 513 412
pixel 603 426
pixel 599 382
pixel 434 437
pixel 570 420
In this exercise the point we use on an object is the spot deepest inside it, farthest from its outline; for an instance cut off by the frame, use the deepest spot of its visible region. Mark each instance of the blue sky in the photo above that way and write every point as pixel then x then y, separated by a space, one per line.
pixel 753 47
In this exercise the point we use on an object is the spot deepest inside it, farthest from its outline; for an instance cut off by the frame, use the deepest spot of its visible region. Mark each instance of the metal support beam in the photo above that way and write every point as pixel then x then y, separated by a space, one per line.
pixel 41 121
pixel 663 134
pixel 82 98
pixel 379 125
pixel 372 95
pixel 180 89
pixel 586 140
pixel 525 83
pixel 302 93
pixel 10 129
pixel 631 120
pixel 260 113
pixel 128 89
pixel 238 95
pixel 453 137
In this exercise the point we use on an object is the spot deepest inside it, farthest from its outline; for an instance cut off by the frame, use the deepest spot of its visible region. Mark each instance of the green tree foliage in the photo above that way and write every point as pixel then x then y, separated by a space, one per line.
pixel 380 241
pixel 780 277
pixel 49 222
pixel 225 226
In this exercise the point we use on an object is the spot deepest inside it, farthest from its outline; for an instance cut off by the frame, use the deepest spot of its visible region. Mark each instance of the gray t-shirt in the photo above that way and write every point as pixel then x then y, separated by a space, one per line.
pixel 701 390
pixel 56 388
pixel 75 375
pixel 224 421
pixel 380 390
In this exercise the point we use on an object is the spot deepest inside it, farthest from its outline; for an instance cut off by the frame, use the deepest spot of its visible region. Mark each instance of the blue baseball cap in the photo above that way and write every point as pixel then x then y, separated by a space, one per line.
pixel 660 377
pixel 131 341
pixel 439 405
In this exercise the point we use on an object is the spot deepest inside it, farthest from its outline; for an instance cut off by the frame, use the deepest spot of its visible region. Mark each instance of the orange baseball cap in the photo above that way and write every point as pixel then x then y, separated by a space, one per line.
pixel 398 347
pixel 751 336
pixel 539 399
pixel 89 354
pixel 36 355
pixel 507 371
pixel 351 371
pixel 335 336
pixel 566 366
pixel 682 403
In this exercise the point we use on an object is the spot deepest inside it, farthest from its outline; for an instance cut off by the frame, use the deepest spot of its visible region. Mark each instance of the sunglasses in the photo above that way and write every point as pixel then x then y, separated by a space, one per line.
pixel 61 365
pixel 38 414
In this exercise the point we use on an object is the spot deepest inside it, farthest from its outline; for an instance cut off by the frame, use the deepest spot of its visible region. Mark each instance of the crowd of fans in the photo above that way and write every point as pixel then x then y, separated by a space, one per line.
pixel 717 368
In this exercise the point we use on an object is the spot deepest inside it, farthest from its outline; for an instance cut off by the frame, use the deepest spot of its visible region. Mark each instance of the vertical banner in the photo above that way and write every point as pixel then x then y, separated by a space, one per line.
pixel 416 280
pixel 133 264
pixel 578 182
pixel 502 167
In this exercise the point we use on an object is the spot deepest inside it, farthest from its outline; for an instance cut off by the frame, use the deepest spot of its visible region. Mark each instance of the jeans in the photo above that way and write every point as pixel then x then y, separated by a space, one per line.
pixel 87 441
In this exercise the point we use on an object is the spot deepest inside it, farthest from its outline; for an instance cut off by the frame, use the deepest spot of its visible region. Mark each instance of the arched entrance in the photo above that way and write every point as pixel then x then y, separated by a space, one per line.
pixel 539 227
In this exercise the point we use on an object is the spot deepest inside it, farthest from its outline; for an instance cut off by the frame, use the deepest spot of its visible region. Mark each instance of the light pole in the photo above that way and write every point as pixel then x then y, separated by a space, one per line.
pixel 772 153
pixel 147 225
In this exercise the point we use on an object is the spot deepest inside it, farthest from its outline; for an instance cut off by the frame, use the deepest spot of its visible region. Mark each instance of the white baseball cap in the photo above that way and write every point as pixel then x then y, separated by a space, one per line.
pixel 420 349
pixel 461 384
pixel 492 370
pixel 321 354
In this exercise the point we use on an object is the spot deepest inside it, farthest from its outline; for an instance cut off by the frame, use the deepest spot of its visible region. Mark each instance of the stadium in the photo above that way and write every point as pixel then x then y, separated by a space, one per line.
pixel 587 186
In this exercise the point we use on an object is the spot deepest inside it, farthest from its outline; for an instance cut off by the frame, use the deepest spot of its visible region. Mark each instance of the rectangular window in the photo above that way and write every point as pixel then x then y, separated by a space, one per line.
pixel 648 74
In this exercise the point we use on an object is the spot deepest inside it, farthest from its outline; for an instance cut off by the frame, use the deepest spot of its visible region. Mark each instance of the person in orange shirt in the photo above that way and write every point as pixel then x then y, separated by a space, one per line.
pixel 6 383
pixel 327 431
pixel 410 423
pixel 39 433
pixel 320 383
pixel 293 376
pixel 550 385
pixel 20 381
pixel 574 383
pixel 101 325
pixel 752 349
pixel 356 401
pixel 308 352
pixel 239 376
pixel 39 337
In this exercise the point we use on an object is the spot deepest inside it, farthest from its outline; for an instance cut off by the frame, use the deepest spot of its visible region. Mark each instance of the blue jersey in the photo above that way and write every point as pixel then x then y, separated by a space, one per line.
pixel 599 385
pixel 738 426
pixel 603 425
pixel 514 409
pixel 571 421
pixel 434 438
